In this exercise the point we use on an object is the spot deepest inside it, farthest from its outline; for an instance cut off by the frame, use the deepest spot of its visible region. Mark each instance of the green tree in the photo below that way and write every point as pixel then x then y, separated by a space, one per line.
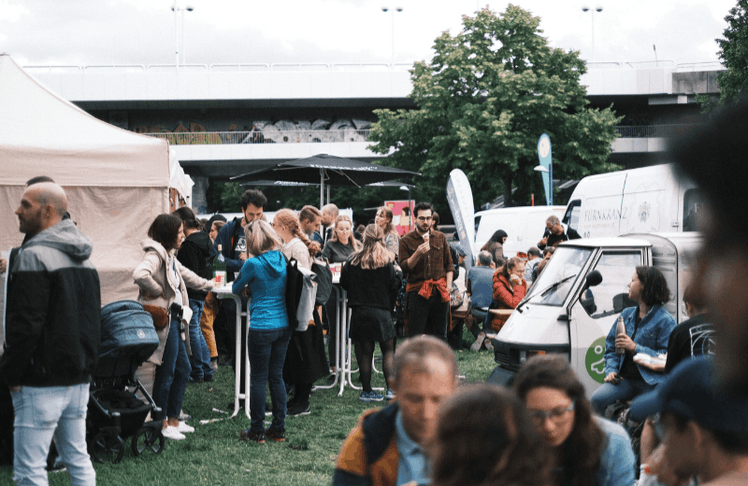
pixel 483 102
pixel 733 52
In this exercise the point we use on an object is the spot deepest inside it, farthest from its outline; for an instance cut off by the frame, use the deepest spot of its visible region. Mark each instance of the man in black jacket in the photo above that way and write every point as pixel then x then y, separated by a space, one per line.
pixel 52 324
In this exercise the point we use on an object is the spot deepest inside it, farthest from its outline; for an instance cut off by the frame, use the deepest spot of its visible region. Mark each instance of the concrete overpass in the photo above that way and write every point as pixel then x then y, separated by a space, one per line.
pixel 214 107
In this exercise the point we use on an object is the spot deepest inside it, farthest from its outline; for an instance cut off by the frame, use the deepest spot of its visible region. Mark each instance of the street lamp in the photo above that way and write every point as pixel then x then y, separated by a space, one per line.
pixel 396 9
pixel 598 8
pixel 177 10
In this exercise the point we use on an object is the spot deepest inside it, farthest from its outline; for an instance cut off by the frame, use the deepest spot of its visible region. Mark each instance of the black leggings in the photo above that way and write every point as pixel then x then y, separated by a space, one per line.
pixel 365 356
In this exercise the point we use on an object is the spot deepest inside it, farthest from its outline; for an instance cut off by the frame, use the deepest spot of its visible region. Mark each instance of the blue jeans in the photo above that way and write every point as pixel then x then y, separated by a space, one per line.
pixel 609 393
pixel 171 376
pixel 267 352
pixel 200 359
pixel 40 414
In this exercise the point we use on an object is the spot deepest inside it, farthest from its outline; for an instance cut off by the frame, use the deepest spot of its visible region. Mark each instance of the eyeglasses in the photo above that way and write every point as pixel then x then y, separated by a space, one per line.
pixel 424 218
pixel 555 415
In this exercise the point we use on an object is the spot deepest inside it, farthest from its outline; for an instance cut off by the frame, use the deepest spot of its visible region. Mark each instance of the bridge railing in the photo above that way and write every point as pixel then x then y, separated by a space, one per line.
pixel 652 131
pixel 348 135
pixel 266 136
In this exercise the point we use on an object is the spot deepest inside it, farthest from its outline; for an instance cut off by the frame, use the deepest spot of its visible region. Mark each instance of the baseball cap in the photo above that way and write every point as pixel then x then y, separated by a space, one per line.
pixel 689 392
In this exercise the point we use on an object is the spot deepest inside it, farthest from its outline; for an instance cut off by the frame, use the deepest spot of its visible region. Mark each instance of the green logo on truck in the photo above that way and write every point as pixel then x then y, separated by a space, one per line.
pixel 594 360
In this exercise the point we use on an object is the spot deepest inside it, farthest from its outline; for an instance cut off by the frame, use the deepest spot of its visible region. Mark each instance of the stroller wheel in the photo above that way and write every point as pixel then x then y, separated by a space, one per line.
pixel 147 438
pixel 105 447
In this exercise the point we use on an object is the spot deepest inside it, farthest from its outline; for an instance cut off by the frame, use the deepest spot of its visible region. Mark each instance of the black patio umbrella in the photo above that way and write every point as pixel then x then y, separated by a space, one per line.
pixel 328 170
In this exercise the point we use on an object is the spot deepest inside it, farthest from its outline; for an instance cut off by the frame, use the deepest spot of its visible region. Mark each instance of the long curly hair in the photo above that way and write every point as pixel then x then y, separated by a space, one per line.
pixel 580 453
pixel 288 218
pixel 484 436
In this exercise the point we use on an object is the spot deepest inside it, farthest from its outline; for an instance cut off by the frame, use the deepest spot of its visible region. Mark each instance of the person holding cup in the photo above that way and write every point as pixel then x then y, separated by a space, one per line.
pixel 427 264
pixel 338 249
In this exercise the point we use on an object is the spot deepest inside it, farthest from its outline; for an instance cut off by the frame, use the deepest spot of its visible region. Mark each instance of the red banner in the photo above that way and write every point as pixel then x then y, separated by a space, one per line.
pixel 402 215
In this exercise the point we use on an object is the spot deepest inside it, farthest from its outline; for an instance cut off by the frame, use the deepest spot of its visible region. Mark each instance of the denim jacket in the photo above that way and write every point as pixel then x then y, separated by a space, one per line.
pixel 651 338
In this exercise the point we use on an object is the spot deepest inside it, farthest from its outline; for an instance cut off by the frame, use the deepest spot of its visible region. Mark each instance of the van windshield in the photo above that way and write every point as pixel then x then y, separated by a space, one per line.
pixel 558 277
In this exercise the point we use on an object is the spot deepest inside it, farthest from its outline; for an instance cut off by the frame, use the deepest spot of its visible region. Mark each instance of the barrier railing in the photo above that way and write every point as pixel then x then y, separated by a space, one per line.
pixel 348 135
pixel 651 131
pixel 266 136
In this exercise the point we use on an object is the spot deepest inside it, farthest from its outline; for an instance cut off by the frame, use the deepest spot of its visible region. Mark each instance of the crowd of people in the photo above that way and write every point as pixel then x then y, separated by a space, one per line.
pixel 540 429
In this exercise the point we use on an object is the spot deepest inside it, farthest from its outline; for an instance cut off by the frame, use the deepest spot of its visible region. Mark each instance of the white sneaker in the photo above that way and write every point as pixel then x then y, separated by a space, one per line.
pixel 184 428
pixel 172 433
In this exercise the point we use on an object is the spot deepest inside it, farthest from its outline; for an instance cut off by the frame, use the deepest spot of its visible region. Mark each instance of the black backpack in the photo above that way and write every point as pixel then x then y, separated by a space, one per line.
pixel 324 281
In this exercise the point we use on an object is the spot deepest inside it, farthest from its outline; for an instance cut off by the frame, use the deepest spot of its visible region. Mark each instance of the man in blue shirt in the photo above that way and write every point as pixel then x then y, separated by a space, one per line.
pixel 386 448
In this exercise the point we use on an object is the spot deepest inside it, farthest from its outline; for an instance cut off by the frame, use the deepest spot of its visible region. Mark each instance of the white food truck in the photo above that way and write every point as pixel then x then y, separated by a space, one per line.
pixel 577 298
pixel 646 200
pixel 524 225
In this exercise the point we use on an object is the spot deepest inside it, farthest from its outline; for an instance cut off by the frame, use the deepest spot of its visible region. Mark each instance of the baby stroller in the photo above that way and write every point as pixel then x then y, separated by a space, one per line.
pixel 115 413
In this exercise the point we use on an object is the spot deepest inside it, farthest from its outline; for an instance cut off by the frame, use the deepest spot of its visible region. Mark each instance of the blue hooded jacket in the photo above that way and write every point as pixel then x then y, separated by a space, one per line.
pixel 265 275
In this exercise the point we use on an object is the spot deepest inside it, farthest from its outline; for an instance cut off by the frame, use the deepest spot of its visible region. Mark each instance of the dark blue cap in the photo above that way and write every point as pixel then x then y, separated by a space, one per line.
pixel 689 392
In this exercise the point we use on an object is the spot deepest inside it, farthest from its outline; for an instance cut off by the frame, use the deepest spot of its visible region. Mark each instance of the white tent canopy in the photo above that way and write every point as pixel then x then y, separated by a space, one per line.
pixel 116 181
pixel 179 180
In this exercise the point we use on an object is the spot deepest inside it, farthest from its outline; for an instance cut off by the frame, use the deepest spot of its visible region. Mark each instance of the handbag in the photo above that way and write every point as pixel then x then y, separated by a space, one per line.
pixel 159 315
pixel 301 290
pixel 306 300
pixel 455 297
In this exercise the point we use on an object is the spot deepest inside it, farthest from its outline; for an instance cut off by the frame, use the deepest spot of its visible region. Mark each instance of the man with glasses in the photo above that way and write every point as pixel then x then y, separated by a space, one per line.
pixel 703 431
pixel 427 266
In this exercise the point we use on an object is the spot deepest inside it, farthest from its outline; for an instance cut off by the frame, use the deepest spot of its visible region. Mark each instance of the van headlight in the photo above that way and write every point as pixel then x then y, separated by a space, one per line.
pixel 524 355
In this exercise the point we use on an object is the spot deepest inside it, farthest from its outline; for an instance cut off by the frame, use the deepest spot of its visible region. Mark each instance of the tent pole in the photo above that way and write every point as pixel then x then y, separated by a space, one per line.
pixel 321 188
pixel 328 194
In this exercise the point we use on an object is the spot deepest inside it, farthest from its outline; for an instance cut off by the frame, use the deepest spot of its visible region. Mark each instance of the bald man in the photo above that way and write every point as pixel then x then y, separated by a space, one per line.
pixel 329 213
pixel 52 324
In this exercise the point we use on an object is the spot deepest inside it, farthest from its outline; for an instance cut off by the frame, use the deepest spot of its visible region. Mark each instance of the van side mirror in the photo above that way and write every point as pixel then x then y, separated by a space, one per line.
pixel 593 278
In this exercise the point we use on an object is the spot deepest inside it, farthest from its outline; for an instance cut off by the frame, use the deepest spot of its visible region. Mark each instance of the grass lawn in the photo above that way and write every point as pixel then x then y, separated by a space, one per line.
pixel 214 455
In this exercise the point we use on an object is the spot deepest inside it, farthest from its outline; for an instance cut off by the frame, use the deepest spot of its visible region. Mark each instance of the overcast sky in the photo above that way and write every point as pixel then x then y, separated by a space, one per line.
pixel 98 32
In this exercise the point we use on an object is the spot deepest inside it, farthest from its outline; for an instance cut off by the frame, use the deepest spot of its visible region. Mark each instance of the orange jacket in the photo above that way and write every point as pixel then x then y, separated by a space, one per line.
pixel 369 455
pixel 505 297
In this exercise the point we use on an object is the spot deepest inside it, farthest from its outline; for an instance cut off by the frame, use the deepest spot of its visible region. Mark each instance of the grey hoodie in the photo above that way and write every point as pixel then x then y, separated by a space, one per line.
pixel 53 310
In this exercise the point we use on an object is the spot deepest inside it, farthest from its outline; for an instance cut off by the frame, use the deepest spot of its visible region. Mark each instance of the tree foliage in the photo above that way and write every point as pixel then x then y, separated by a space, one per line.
pixel 483 102
pixel 733 52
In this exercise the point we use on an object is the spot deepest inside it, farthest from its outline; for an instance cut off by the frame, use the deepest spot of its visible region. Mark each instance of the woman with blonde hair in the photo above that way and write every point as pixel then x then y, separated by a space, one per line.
pixel 305 359
pixel 338 249
pixel 264 276
pixel 341 244
pixel 383 219
pixel 369 277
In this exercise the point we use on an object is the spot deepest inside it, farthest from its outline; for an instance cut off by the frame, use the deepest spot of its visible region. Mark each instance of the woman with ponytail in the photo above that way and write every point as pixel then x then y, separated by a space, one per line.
pixel 305 359
pixel 295 243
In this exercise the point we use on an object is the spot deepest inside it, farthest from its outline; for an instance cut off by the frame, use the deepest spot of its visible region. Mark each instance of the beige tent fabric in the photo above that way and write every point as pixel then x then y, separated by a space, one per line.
pixel 116 181
pixel 40 131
